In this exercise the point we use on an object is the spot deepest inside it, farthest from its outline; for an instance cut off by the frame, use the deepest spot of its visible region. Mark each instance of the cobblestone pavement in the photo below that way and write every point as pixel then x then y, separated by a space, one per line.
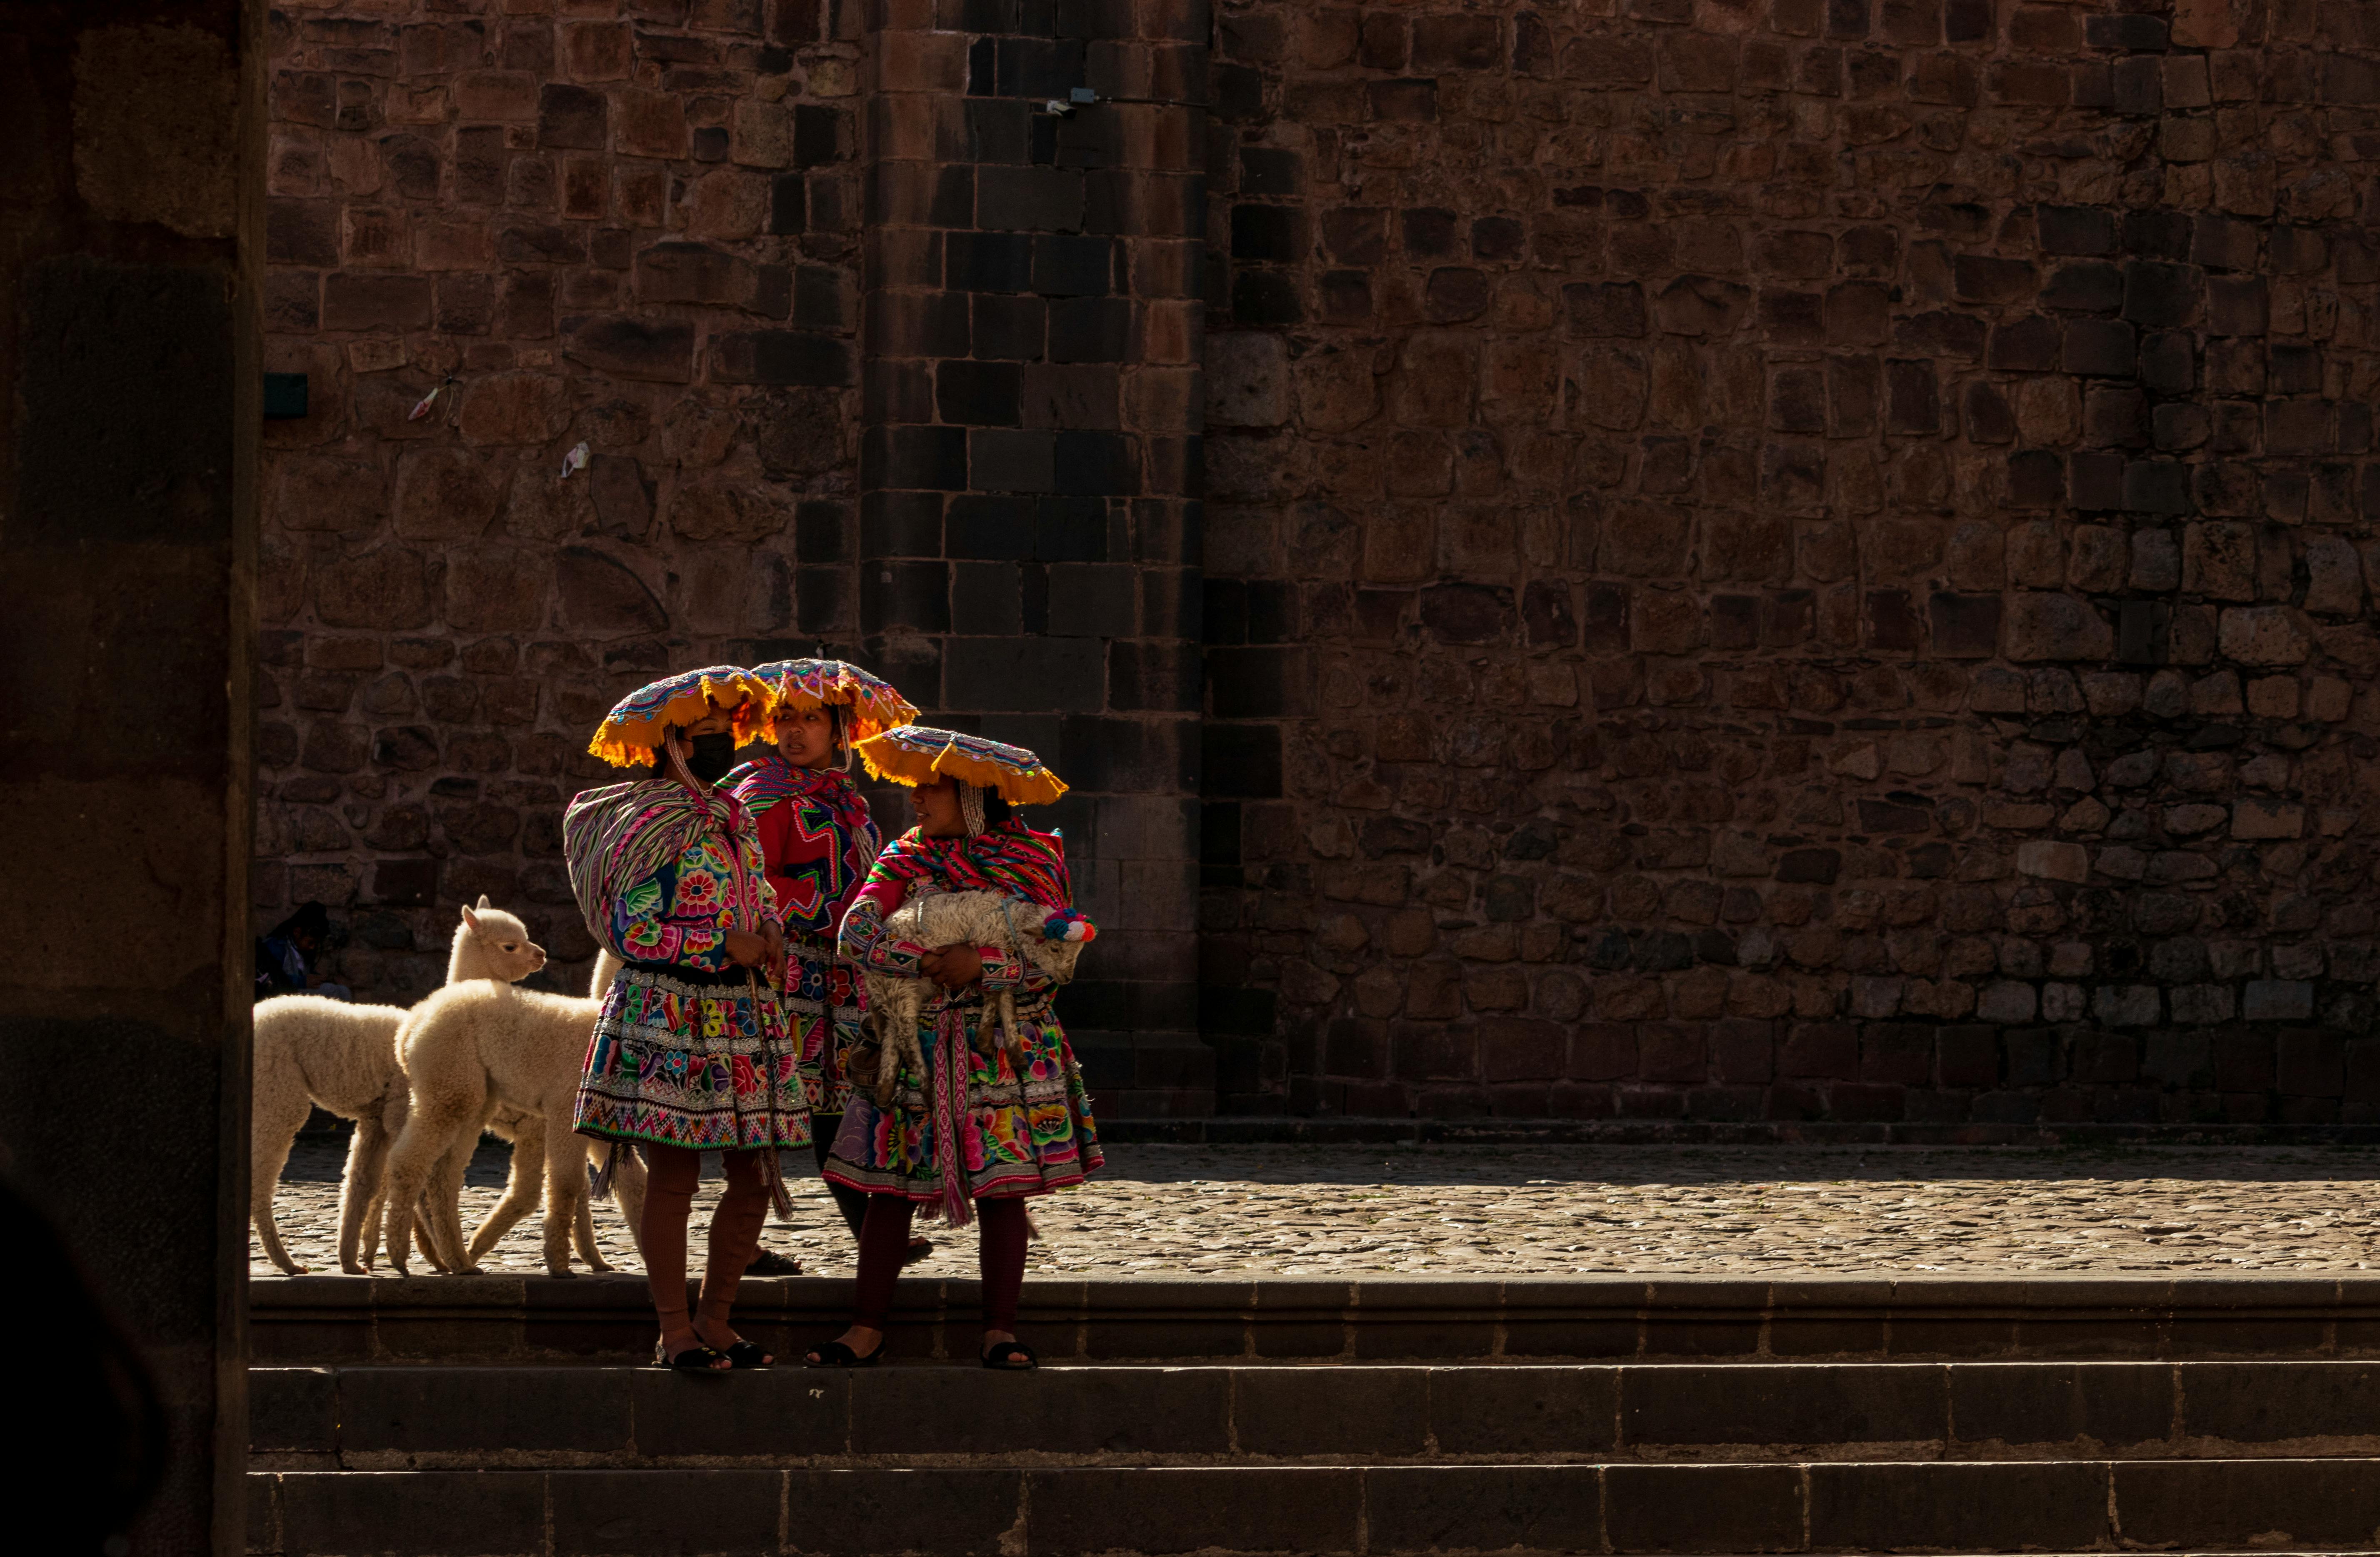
pixel 1478 1211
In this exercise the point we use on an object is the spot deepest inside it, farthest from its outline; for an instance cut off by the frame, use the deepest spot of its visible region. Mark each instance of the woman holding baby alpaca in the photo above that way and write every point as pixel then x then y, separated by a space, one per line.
pixel 983 1126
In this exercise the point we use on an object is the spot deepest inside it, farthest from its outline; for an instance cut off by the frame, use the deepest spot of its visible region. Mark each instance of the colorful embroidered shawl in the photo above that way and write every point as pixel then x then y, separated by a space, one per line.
pixel 618 838
pixel 1011 859
pixel 771 781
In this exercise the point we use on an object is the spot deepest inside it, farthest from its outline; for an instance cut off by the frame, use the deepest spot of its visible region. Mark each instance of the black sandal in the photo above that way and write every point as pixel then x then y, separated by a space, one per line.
pixel 834 1354
pixel 768 1262
pixel 918 1249
pixel 694 1360
pixel 748 1353
pixel 998 1358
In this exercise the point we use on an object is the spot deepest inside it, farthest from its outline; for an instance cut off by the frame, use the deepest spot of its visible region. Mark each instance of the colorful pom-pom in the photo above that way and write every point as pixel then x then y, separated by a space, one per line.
pixel 1068 925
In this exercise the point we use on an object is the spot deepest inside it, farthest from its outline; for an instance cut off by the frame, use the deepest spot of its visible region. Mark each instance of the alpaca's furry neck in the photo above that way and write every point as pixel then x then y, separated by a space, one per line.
pixel 468 961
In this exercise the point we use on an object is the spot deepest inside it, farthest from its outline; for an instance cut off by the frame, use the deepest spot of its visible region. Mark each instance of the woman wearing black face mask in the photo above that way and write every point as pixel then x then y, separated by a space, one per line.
pixel 692 1052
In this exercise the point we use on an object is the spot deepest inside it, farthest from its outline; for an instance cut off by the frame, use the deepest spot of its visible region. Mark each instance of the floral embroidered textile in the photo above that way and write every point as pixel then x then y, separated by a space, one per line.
pixel 974 1124
pixel 708 1066
pixel 819 842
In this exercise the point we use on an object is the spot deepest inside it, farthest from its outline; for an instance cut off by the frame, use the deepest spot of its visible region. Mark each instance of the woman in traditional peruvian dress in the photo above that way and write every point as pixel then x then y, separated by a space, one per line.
pixel 691 1052
pixel 976 1134
pixel 819 842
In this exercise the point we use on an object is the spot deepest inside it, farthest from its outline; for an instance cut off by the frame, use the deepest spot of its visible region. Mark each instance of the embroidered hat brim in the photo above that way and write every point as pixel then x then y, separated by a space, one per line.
pixel 631 734
pixel 875 705
pixel 915 754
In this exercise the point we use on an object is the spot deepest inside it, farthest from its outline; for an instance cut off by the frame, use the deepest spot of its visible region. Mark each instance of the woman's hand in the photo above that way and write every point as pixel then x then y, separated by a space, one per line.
pixel 953 967
pixel 775 933
pixel 745 949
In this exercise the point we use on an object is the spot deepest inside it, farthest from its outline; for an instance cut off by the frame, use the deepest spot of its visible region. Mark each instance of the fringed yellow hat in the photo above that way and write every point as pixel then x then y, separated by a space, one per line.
pixel 917 754
pixel 631 734
pixel 872 702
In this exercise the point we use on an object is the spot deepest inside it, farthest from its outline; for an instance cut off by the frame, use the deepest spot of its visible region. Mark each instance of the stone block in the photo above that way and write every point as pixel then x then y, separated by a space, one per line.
pixel 2042 625
pixel 2278 999
pixel 2053 860
pixel 954 1510
pixel 437 1511
pixel 2214 1504
pixel 1780 1406
pixel 1889 1506
pixel 1188 1509
pixel 2006 1000
pixel 1701 1507
pixel 1362 1411
pixel 2266 634
pixel 1533 1507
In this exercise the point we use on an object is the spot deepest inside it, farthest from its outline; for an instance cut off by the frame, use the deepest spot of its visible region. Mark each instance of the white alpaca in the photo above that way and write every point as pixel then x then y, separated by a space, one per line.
pixel 525 1182
pixel 309 1050
pixel 949 919
pixel 470 1047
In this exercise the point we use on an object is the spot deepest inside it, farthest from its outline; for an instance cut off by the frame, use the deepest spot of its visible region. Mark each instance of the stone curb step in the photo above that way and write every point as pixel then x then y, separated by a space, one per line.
pixel 352 1320
pixel 1262 1130
pixel 2057 1505
pixel 421 1417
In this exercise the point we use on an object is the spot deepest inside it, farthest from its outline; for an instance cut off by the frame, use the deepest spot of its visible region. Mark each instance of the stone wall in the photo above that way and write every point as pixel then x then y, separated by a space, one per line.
pixel 1028 522
pixel 1794 559
pixel 1766 559
pixel 631 227
pixel 653 231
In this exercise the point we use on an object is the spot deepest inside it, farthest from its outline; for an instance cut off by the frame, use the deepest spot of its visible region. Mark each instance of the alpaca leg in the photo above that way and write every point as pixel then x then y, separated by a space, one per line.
pixel 627 1190
pixel 411 1163
pixel 582 1235
pixel 275 1122
pixel 566 1188
pixel 442 1206
pixel 522 1185
pixel 582 1229
pixel 392 1125
pixel 443 1118
pixel 367 1160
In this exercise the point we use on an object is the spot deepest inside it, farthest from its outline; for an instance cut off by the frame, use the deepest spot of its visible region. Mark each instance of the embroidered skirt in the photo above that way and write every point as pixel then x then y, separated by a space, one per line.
pixel 1018 1128
pixel 825 999
pixel 685 1058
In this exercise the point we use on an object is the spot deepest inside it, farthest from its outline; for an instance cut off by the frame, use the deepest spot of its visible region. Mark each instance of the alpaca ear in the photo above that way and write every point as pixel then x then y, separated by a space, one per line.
pixel 471 919
pixel 483 902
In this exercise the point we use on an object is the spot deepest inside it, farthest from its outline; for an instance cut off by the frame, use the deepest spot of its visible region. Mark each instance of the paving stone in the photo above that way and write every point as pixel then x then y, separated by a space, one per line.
pixel 1290 1215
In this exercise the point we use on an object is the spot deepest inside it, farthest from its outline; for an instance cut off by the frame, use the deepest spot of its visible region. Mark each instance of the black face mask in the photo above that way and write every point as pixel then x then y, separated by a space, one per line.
pixel 712 755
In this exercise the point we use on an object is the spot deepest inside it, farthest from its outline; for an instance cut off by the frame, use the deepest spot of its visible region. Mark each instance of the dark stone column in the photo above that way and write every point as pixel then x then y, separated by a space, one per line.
pixel 130 229
pixel 1030 468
